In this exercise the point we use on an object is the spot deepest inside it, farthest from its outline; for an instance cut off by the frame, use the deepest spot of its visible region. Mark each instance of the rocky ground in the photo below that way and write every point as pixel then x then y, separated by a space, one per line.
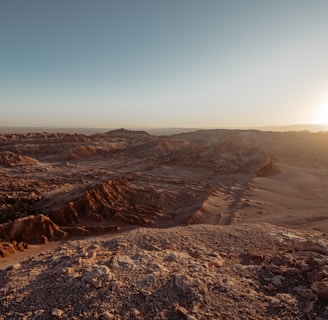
pixel 255 271
pixel 126 225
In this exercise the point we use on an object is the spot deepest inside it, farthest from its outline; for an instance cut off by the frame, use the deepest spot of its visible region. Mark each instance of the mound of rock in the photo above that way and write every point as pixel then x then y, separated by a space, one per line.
pixel 7 248
pixel 12 159
pixel 112 200
pixel 88 150
pixel 124 132
pixel 39 230
pixel 222 151
pixel 31 229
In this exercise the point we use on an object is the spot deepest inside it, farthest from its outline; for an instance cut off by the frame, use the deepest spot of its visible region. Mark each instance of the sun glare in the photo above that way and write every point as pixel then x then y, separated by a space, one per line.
pixel 321 113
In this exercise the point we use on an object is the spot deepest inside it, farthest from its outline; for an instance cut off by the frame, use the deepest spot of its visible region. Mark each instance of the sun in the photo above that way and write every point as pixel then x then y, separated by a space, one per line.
pixel 321 112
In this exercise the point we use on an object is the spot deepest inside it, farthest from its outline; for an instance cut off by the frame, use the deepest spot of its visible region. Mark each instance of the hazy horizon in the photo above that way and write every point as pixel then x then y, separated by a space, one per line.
pixel 159 130
pixel 146 64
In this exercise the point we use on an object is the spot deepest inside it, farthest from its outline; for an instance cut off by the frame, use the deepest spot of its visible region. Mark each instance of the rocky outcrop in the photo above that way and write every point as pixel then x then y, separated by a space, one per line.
pixel 125 132
pixel 112 200
pixel 40 229
pixel 31 229
pixel 12 159
pixel 17 205
pixel 8 248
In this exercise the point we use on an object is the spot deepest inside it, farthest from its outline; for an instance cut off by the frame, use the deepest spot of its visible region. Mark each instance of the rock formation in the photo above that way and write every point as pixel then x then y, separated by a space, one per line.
pixel 31 229
pixel 12 159
pixel 110 200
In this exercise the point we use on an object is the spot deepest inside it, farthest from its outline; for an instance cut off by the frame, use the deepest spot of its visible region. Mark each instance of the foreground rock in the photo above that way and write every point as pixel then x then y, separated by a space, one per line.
pixel 196 272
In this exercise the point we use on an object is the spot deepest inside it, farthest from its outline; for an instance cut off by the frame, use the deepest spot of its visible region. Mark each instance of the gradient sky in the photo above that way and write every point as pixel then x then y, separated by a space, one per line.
pixel 169 63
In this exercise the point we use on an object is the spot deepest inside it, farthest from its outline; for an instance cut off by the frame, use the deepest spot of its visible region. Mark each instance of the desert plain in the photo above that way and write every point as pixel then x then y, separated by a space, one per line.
pixel 209 224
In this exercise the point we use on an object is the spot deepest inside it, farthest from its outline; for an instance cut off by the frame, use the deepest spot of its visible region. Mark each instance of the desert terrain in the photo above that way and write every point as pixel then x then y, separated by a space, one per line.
pixel 209 224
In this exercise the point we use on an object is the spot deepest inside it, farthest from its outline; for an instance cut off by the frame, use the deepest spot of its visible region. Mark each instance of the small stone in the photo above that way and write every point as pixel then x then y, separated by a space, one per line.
pixel 321 287
pixel 98 276
pixel 183 311
pixel 287 299
pixel 38 312
pixel 195 309
pixel 305 292
pixel 277 280
pixel 106 316
pixel 116 285
pixel 57 313
pixel 182 281
pixel 135 313
pixel 122 262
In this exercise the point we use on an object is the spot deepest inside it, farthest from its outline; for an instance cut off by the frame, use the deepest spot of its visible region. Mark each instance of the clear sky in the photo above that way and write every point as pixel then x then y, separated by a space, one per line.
pixel 163 63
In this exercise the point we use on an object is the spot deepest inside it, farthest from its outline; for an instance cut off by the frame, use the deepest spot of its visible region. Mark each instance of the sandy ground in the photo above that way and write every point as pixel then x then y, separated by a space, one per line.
pixel 296 198
pixel 32 251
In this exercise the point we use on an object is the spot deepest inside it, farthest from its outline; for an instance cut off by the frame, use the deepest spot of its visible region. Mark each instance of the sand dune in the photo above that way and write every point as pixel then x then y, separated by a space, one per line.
pixel 297 198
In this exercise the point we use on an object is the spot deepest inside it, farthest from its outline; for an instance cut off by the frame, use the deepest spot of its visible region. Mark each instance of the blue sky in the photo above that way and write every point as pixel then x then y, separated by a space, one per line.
pixel 181 63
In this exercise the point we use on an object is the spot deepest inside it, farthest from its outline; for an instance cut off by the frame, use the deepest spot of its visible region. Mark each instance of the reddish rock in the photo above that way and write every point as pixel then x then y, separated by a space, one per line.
pixel 31 229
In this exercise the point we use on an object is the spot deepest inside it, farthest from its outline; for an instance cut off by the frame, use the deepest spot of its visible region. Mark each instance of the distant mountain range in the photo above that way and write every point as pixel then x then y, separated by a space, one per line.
pixel 161 131
pixel 296 127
